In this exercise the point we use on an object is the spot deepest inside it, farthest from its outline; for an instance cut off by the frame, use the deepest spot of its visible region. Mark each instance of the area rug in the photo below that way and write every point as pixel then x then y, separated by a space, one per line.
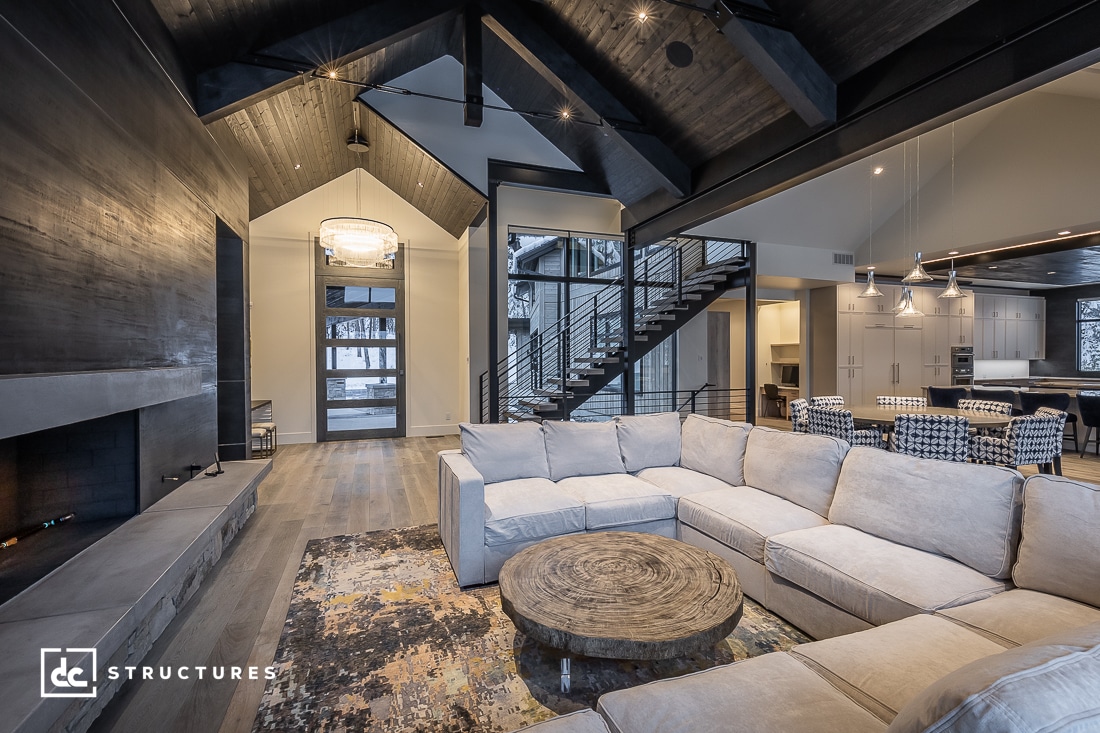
pixel 379 637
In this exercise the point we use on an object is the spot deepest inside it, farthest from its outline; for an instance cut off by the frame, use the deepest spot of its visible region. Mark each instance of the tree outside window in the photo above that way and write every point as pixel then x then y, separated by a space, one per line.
pixel 1088 335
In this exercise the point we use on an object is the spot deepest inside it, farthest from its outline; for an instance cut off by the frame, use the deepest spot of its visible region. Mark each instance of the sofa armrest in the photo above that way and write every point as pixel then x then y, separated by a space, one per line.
pixel 462 516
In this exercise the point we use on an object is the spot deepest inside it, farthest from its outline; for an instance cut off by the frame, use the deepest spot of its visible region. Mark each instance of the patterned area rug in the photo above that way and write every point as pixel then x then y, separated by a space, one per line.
pixel 380 638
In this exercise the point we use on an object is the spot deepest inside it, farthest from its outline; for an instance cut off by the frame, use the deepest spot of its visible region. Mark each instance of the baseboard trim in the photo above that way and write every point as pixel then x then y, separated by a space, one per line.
pixel 426 431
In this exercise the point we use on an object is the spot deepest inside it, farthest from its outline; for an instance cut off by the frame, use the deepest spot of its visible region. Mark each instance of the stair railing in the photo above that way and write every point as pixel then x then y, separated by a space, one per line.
pixel 596 327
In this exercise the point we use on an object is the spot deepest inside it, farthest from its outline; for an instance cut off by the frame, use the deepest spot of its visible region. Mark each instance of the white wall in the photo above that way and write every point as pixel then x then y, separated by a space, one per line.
pixel 691 353
pixel 464 381
pixel 282 282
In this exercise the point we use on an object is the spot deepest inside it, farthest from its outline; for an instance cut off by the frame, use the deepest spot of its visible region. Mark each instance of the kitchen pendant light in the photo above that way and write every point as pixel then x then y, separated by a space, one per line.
pixel 908 308
pixel 870 291
pixel 917 274
pixel 952 290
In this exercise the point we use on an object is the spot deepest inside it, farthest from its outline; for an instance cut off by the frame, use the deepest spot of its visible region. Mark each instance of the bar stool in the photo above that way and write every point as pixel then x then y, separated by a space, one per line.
pixel 1089 405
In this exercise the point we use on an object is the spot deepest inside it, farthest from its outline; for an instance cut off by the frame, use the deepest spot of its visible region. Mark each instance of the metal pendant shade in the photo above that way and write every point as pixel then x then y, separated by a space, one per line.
pixel 917 274
pixel 358 242
pixel 871 291
pixel 952 290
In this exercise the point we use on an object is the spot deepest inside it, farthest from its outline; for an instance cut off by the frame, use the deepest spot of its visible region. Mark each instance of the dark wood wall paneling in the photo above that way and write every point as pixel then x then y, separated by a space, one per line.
pixel 1061 333
pixel 107 222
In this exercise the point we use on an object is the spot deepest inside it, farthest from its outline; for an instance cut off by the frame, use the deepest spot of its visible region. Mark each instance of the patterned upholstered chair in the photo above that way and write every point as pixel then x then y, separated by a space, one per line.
pixel 827 401
pixel 987 407
pixel 800 421
pixel 944 437
pixel 889 400
pixel 1062 418
pixel 839 424
pixel 1031 402
pixel 1029 440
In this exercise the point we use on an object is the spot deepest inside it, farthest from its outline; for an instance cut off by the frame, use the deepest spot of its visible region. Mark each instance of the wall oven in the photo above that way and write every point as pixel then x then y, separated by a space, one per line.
pixel 962 365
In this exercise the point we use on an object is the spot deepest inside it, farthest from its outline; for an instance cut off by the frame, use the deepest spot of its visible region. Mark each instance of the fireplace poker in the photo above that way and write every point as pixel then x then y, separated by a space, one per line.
pixel 28 531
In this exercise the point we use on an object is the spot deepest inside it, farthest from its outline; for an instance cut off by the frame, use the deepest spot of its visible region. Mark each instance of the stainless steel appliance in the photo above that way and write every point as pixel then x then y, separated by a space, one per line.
pixel 962 365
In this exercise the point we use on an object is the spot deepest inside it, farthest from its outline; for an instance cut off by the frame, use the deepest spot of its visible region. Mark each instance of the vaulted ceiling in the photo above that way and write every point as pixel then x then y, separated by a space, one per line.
pixel 684 115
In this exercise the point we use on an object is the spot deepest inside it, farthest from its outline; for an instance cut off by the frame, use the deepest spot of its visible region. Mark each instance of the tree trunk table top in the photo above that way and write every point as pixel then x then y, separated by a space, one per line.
pixel 621 595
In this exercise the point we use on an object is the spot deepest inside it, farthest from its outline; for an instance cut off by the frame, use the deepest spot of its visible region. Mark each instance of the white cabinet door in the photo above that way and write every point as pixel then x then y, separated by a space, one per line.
pixel 879 367
pixel 936 376
pixel 992 338
pixel 1010 349
pixel 936 340
pixel 849 339
pixel 849 384
pixel 885 304
pixel 962 306
pixel 962 333
pixel 907 356
pixel 991 306
pixel 1029 339
pixel 929 303
pixel 846 298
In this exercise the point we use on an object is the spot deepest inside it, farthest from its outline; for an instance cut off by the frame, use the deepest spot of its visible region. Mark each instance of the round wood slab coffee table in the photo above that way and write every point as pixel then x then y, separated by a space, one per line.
pixel 620 595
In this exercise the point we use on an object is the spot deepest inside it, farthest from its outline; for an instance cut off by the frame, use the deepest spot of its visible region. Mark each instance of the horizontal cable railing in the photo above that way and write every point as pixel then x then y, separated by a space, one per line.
pixel 728 404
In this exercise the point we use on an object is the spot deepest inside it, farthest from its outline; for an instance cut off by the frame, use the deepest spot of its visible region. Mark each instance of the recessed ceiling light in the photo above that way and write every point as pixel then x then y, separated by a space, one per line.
pixel 420 183
pixel 642 16
pixel 1064 232
pixel 1051 272
pixel 565 114
pixel 878 169
pixel 297 166
pixel 332 74
pixel 953 252
pixel 992 267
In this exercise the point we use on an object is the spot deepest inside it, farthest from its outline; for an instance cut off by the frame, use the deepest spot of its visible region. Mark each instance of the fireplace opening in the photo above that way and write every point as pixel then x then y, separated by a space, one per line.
pixel 88 469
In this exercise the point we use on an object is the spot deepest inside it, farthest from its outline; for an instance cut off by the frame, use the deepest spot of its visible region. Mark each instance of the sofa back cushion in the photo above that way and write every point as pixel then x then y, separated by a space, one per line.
pixel 1060 546
pixel 798 467
pixel 1050 684
pixel 962 510
pixel 649 441
pixel 505 452
pixel 714 447
pixel 582 449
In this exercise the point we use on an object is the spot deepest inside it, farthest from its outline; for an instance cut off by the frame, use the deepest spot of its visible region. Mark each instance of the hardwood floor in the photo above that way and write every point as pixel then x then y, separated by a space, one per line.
pixel 237 616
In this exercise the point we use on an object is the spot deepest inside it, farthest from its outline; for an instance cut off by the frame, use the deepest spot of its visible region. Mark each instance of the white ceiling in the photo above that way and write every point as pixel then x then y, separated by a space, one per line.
pixel 437 125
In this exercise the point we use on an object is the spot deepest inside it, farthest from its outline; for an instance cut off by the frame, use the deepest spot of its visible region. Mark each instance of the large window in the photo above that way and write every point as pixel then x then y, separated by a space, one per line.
pixel 1088 334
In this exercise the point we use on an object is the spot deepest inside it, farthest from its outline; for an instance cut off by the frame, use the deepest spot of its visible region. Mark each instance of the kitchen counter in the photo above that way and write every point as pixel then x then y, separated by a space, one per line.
pixel 1043 384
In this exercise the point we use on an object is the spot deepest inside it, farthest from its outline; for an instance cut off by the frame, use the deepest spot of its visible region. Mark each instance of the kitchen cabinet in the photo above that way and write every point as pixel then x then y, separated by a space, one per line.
pixel 936 343
pixel 849 384
pixel 891 361
pixel 1009 327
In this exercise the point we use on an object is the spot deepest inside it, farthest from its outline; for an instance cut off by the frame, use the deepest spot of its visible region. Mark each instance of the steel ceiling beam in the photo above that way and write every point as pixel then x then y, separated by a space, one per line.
pixel 261 73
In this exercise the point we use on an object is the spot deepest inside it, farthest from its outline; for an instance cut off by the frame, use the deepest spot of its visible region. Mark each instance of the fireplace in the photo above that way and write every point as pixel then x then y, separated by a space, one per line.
pixel 87 444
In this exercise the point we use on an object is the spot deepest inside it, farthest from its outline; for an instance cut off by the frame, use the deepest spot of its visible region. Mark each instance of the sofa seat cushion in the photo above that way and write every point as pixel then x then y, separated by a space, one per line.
pixel 680 481
pixel 505 452
pixel 872 578
pixel 742 517
pixel 581 721
pixel 1060 539
pixel 529 509
pixel 1048 685
pixel 616 499
pixel 582 448
pixel 1021 616
pixel 773 693
pixel 885 667
pixel 808 481
pixel 649 440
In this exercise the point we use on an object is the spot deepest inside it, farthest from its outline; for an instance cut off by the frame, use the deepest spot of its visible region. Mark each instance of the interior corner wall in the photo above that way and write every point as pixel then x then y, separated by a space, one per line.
pixel 108 243
pixel 464 381
pixel 477 310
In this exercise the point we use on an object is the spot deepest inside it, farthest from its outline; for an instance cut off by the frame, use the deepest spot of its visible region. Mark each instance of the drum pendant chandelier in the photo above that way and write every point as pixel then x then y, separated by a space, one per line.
pixel 358 242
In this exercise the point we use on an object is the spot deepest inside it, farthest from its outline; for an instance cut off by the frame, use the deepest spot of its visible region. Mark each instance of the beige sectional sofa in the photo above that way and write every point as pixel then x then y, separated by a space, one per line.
pixel 944 596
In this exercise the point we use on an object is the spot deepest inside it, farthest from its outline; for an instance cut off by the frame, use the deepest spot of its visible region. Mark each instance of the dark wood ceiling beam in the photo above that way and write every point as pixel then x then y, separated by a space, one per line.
pixel 1047 42
pixel 472 65
pixel 544 54
pixel 1007 253
pixel 262 73
pixel 781 59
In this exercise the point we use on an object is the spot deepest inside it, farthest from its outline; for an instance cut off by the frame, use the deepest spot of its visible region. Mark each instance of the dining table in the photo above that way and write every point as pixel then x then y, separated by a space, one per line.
pixel 885 414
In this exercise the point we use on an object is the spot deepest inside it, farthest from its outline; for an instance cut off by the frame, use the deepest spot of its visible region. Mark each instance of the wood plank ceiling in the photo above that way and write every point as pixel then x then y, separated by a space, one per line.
pixel 714 115
pixel 308 126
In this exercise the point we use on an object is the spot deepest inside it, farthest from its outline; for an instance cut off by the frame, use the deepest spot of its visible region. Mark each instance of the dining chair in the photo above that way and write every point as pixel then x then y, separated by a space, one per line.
pixel 796 410
pixel 827 401
pixel 771 395
pixel 986 407
pixel 1029 439
pixel 946 396
pixel 1060 416
pixel 839 424
pixel 1089 405
pixel 1032 401
pixel 889 400
pixel 996 395
pixel 942 437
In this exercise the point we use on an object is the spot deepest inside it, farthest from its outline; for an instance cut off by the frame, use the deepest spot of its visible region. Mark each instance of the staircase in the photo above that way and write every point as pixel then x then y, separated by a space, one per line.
pixel 583 352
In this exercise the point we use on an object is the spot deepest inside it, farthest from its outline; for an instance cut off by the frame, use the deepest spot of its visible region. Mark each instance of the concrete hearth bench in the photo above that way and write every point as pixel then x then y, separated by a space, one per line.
pixel 118 595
